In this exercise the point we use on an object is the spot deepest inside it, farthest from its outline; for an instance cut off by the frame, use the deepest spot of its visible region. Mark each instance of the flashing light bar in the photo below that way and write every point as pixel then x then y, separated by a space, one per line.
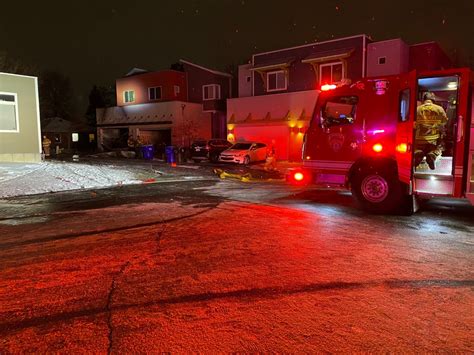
pixel 327 87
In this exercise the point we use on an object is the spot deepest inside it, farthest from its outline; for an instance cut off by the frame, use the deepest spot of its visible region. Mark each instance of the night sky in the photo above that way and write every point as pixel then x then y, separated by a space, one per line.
pixel 94 42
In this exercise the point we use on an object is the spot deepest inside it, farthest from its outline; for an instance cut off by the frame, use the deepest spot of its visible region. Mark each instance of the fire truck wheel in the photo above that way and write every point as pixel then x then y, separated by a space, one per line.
pixel 377 192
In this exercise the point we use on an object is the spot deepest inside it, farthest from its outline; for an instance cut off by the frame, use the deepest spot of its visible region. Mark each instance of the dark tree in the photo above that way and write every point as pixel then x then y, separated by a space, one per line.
pixel 99 97
pixel 15 66
pixel 56 95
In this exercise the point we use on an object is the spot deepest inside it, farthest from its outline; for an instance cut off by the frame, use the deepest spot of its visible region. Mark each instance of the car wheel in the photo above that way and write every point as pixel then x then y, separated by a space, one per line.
pixel 246 160
pixel 377 191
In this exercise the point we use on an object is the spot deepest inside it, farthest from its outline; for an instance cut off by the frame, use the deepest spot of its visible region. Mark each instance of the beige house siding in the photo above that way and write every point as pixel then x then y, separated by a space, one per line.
pixel 24 145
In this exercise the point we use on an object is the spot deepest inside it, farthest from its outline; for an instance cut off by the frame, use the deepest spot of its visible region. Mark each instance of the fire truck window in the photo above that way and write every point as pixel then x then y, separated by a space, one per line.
pixel 404 105
pixel 339 111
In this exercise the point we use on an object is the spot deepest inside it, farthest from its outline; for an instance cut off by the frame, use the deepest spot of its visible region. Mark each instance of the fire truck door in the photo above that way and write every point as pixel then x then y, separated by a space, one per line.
pixel 333 143
pixel 405 126
pixel 461 128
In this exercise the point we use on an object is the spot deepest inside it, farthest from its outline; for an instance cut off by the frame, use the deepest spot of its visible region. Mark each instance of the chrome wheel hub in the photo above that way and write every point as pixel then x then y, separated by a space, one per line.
pixel 374 188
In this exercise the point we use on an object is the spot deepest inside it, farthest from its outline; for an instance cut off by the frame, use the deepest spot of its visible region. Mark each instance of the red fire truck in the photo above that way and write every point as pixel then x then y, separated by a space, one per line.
pixel 361 137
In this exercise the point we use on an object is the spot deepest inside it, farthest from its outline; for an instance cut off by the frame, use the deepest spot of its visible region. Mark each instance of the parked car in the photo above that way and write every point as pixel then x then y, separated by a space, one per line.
pixel 244 153
pixel 208 149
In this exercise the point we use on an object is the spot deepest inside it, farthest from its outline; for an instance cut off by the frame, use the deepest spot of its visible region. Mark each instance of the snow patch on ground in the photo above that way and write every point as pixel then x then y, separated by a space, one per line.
pixel 27 179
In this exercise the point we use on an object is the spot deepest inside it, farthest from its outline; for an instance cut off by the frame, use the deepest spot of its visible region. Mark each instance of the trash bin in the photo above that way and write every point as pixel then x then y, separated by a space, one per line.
pixel 169 153
pixel 148 152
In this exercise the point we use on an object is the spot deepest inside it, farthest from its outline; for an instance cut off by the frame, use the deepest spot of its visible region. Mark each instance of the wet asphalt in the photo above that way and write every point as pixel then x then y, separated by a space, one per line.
pixel 194 263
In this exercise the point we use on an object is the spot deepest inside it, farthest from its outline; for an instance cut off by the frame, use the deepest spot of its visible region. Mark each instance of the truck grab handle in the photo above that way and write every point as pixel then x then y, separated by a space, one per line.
pixel 460 128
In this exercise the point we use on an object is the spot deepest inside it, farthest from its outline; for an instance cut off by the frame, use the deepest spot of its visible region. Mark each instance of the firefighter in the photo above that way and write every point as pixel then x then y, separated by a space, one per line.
pixel 430 126
pixel 270 162
pixel 131 143
pixel 46 146
pixel 138 147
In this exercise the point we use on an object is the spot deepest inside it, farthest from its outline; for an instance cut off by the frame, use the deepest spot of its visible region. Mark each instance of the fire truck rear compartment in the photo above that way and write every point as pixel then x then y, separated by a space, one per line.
pixel 439 182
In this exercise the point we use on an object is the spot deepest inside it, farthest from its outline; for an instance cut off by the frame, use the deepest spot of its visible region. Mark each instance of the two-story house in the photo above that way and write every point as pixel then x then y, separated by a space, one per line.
pixel 20 130
pixel 166 107
pixel 278 89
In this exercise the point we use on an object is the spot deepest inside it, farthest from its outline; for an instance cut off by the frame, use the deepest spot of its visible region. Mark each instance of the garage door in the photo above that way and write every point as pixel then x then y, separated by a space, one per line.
pixel 266 134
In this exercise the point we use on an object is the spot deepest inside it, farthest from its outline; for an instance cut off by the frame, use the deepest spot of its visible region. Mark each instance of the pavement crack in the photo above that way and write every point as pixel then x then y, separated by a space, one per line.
pixel 158 237
pixel 8 245
pixel 242 295
pixel 108 306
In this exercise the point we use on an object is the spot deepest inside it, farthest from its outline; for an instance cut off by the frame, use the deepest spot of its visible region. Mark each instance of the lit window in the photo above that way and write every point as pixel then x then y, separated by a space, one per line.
pixel 211 92
pixel 331 73
pixel 8 112
pixel 177 90
pixel 129 96
pixel 276 80
pixel 75 137
pixel 154 93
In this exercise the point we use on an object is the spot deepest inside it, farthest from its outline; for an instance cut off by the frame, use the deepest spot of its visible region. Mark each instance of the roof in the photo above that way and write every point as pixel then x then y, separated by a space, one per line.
pixel 327 55
pixel 311 44
pixel 206 69
pixel 19 75
pixel 60 125
pixel 136 71
pixel 273 64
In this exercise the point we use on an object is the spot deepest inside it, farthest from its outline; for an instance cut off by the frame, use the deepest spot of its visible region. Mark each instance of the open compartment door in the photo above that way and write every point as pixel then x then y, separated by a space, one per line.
pixel 405 127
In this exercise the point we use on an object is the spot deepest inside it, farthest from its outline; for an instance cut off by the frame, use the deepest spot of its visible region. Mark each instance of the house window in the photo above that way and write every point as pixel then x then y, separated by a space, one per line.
pixel 154 93
pixel 382 60
pixel 129 96
pixel 331 73
pixel 177 90
pixel 276 81
pixel 211 92
pixel 249 78
pixel 8 112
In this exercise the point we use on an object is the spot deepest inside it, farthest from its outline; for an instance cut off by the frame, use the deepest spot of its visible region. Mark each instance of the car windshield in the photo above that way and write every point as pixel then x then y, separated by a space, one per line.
pixel 241 146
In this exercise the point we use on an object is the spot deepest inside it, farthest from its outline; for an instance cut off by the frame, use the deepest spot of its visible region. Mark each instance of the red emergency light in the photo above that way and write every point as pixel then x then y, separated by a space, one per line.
pixel 299 177
pixel 377 147
pixel 327 87
pixel 402 148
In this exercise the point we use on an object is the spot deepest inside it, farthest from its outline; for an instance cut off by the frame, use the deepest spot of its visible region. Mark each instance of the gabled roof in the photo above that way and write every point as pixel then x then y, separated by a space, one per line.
pixel 60 125
pixel 206 69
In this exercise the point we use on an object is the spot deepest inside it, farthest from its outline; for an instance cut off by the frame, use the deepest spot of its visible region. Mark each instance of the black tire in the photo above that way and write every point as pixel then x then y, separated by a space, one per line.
pixel 246 160
pixel 378 191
